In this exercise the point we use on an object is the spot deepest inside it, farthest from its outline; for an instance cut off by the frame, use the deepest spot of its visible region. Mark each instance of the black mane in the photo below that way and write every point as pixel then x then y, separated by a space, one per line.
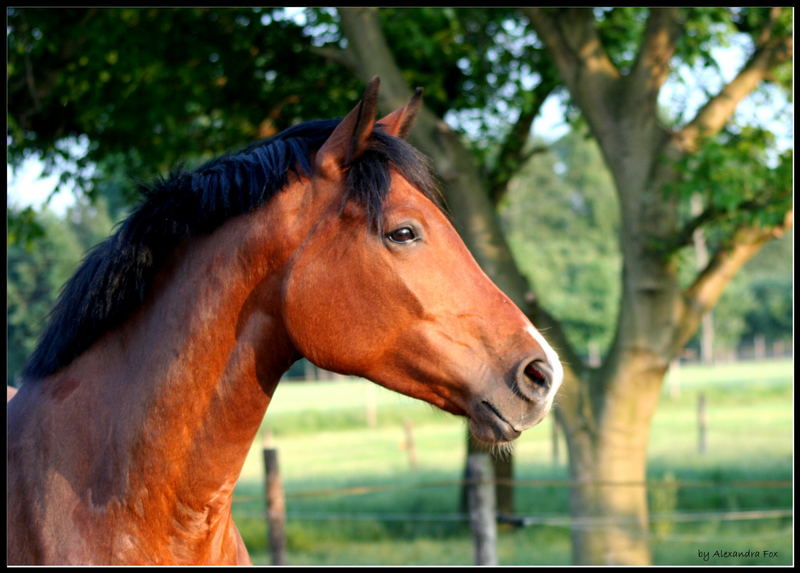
pixel 115 276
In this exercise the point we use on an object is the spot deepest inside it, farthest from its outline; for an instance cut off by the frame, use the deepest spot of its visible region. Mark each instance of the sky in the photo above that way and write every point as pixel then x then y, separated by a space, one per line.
pixel 27 187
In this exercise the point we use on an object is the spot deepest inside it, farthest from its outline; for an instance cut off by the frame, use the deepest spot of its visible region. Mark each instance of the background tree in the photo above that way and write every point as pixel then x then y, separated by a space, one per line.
pixel 38 268
pixel 606 411
pixel 569 194
pixel 607 414
pixel 152 87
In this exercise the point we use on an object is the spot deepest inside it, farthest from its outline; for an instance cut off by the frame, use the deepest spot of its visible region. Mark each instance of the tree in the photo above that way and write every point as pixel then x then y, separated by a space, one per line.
pixel 38 268
pixel 560 215
pixel 134 83
pixel 131 92
pixel 606 412
pixel 758 302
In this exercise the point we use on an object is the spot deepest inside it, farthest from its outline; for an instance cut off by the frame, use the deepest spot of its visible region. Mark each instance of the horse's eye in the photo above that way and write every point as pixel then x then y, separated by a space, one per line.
pixel 403 235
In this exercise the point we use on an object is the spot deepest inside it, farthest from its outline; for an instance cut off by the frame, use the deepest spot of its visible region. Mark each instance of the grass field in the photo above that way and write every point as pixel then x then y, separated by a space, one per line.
pixel 411 516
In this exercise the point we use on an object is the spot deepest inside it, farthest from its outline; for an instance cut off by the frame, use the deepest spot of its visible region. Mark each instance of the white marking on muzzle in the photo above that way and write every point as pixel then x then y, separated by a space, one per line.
pixel 552 359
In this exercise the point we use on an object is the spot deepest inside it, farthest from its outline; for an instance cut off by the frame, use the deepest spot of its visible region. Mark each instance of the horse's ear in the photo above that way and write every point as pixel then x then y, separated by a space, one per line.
pixel 349 139
pixel 399 122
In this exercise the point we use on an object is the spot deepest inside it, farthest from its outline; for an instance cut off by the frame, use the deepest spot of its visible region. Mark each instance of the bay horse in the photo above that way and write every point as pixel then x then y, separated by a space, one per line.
pixel 150 381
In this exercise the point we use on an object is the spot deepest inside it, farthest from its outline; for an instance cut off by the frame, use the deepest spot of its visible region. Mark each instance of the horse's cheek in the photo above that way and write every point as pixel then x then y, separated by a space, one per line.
pixel 330 315
pixel 310 318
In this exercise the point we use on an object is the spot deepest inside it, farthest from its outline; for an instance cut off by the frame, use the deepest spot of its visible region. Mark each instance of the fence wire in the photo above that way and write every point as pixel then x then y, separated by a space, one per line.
pixel 546 520
pixel 650 484
pixel 527 521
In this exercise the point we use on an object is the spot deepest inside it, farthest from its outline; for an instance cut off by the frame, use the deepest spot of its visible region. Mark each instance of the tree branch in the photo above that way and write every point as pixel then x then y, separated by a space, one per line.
pixel 575 45
pixel 583 64
pixel 651 68
pixel 371 55
pixel 710 283
pixel 512 156
pixel 342 57
pixel 771 49
pixel 684 236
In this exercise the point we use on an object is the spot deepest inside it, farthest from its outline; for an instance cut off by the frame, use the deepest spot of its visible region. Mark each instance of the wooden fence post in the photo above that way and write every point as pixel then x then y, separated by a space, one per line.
pixel 372 404
pixel 481 504
pixel 595 359
pixel 276 508
pixel 759 347
pixel 702 423
pixel 409 446
pixel 554 447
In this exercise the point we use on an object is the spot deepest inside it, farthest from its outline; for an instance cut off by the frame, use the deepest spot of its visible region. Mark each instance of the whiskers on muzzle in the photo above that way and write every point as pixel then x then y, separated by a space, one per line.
pixel 499 450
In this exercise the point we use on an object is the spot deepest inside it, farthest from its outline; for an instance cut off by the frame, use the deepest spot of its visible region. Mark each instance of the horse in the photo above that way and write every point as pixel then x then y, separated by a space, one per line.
pixel 148 385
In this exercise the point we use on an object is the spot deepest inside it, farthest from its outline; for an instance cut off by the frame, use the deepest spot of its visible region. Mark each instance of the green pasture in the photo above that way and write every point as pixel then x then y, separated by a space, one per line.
pixel 353 498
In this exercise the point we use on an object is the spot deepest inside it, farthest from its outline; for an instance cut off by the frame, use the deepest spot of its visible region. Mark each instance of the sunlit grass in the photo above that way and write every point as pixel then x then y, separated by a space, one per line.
pixel 325 443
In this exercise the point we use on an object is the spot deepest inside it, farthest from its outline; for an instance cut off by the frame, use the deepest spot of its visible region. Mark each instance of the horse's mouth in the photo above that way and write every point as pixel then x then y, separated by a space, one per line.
pixel 490 426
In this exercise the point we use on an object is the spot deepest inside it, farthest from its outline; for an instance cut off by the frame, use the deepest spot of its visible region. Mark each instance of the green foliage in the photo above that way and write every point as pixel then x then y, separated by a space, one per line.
pixel 562 221
pixel 478 65
pixel 36 270
pixel 620 30
pixel 704 29
pixel 463 57
pixel 751 21
pixel 168 83
pixel 772 316
pixel 739 182
pixel 758 301
pixel 39 267
pixel 23 226
pixel 141 88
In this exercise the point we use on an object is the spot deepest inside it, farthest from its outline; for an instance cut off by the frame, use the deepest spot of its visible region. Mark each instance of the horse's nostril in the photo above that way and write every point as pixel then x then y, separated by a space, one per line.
pixel 536 373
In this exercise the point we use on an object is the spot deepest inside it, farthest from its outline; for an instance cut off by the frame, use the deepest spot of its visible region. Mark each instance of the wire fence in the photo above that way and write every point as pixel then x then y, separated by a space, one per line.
pixel 649 484
pixel 526 521
pixel 552 520
pixel 482 514
pixel 571 523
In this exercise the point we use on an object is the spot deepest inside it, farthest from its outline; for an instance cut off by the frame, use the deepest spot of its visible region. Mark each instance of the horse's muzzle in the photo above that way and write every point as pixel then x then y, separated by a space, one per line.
pixel 504 409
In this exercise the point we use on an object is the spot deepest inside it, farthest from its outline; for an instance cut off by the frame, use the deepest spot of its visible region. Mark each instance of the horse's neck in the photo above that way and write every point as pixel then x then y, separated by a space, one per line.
pixel 178 392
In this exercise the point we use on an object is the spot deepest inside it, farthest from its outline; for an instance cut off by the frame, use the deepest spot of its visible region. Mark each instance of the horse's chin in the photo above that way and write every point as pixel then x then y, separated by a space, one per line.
pixel 493 421
pixel 492 432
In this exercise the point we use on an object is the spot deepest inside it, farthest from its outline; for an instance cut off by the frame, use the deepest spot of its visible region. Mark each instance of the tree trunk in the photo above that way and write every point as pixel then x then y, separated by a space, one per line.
pixel 608 460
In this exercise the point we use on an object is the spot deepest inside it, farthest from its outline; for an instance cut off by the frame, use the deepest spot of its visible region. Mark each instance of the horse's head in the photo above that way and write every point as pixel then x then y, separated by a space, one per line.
pixel 383 287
